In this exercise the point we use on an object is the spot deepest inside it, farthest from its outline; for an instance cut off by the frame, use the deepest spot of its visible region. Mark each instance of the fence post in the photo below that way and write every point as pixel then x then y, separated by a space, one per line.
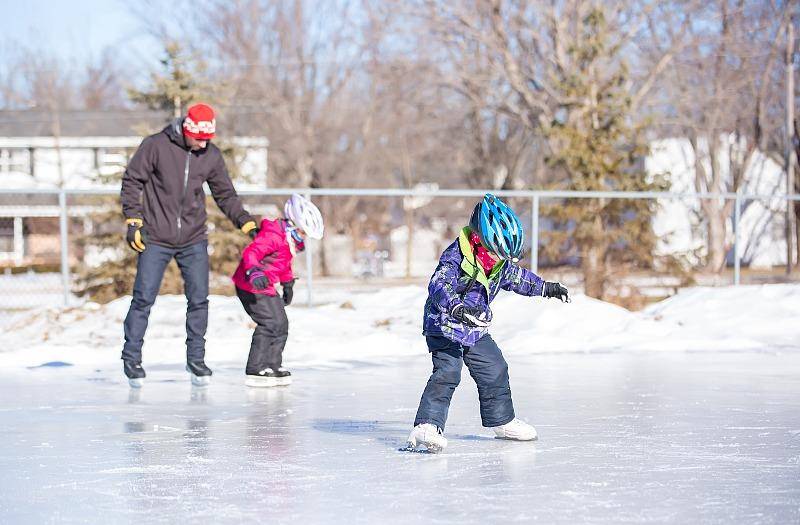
pixel 64 232
pixel 535 233
pixel 737 214
pixel 309 269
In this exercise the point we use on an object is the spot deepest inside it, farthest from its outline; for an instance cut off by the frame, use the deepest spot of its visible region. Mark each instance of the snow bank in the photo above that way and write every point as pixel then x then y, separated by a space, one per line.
pixel 383 325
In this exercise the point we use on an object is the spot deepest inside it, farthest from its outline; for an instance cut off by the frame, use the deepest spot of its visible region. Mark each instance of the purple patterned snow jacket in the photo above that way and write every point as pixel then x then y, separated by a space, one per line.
pixel 459 278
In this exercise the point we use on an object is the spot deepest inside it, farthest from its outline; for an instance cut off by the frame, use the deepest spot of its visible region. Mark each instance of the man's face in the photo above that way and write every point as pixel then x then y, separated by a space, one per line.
pixel 195 144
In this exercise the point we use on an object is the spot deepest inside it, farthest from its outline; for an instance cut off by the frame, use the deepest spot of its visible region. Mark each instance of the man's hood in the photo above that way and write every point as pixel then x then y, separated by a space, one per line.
pixel 174 131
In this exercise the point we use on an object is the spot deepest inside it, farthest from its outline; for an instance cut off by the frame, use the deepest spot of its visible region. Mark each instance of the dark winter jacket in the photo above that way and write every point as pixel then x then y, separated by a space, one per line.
pixel 459 278
pixel 271 251
pixel 163 185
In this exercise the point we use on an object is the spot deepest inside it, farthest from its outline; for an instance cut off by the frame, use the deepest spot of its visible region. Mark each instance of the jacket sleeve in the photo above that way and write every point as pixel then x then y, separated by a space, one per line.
pixel 262 246
pixel 137 174
pixel 225 194
pixel 521 280
pixel 443 282
pixel 287 275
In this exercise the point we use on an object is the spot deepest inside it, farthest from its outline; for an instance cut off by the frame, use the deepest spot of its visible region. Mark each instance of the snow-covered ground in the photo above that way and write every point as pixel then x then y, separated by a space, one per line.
pixel 683 413
pixel 351 327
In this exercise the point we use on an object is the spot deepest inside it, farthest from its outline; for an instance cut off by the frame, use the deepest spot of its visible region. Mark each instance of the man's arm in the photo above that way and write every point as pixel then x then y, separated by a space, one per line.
pixel 136 176
pixel 226 198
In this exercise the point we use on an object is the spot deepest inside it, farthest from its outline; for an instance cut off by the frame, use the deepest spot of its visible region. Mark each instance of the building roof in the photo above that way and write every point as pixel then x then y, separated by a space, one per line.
pixel 240 121
pixel 80 123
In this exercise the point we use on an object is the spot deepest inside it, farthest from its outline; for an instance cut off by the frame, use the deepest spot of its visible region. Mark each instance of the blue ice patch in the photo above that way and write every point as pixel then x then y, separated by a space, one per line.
pixel 51 364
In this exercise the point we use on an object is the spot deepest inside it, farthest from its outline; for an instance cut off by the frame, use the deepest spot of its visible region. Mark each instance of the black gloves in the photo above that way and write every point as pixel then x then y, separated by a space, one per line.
pixel 557 290
pixel 470 316
pixel 135 237
pixel 288 291
pixel 257 278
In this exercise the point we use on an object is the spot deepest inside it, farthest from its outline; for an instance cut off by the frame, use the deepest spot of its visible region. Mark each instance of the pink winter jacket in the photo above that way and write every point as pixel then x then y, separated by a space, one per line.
pixel 270 250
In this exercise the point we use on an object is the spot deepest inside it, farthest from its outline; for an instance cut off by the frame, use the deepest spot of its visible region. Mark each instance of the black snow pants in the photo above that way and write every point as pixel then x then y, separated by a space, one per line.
pixel 272 330
pixel 486 366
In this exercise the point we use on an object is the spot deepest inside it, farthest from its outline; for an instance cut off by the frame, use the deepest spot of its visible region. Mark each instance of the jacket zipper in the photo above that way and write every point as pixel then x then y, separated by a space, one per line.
pixel 183 195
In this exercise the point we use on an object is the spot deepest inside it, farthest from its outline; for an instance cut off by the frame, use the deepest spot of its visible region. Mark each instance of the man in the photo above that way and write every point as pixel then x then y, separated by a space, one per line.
pixel 164 207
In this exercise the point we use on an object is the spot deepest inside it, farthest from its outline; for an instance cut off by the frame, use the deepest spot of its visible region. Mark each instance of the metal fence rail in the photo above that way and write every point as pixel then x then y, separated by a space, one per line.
pixel 535 196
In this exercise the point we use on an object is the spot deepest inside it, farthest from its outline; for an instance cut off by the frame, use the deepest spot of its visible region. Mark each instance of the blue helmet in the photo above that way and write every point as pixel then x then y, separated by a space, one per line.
pixel 498 227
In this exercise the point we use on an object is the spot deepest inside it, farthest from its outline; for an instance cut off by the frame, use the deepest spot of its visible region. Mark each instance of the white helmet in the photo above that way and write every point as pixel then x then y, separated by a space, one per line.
pixel 304 215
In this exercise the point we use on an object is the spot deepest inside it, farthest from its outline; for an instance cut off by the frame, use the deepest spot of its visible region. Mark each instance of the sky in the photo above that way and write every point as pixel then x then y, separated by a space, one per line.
pixel 77 31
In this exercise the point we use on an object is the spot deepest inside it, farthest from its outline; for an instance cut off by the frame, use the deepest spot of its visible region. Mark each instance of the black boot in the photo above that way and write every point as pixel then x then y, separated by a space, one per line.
pixel 284 377
pixel 201 374
pixel 134 372
pixel 265 377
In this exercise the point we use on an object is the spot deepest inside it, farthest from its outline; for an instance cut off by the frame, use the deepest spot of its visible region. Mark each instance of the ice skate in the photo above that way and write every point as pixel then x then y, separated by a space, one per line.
pixel 199 372
pixel 265 378
pixel 516 430
pixel 283 377
pixel 427 435
pixel 135 373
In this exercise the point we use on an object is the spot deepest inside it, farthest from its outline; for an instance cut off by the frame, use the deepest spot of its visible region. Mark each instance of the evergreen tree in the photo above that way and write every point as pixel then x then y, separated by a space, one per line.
pixel 600 146
pixel 177 86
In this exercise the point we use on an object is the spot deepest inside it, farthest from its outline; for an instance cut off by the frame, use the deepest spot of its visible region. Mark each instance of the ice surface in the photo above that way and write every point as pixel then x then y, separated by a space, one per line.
pixel 624 437
pixel 686 412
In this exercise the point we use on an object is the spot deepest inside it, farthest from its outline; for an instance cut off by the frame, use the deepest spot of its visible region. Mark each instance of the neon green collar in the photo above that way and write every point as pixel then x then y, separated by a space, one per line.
pixel 470 266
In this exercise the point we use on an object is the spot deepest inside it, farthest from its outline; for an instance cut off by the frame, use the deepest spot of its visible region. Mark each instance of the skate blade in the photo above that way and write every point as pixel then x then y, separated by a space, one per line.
pixel 200 380
pixel 260 382
pixel 284 381
pixel 535 438
pixel 137 382
pixel 429 449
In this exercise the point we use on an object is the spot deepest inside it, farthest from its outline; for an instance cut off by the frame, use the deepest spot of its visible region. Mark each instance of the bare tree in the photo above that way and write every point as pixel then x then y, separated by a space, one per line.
pixel 561 70
pixel 719 92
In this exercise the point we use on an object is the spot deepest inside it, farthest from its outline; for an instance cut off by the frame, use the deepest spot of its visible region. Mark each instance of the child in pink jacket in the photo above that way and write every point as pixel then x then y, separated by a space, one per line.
pixel 266 262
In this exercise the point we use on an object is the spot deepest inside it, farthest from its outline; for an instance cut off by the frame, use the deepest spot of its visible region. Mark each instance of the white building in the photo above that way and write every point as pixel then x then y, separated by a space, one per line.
pixel 90 152
pixel 679 223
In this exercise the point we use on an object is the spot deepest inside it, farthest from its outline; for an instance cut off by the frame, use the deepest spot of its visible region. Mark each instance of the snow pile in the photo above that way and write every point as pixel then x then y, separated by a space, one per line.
pixel 352 328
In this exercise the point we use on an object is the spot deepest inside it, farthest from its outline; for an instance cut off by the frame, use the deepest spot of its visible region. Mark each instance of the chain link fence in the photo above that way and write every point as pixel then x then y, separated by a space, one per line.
pixel 54 242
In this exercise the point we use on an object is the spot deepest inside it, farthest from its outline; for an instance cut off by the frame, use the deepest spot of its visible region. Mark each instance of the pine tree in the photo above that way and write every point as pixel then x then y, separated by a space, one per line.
pixel 177 86
pixel 600 146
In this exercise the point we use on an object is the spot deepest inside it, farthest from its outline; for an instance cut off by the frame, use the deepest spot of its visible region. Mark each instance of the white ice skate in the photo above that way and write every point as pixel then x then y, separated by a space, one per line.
pixel 516 430
pixel 427 435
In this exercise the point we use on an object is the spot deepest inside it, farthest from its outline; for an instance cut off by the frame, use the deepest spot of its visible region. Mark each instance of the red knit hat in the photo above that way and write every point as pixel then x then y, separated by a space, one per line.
pixel 200 123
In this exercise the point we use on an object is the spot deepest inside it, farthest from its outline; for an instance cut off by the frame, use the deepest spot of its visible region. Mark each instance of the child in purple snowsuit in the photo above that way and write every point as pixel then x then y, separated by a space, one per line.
pixel 470 274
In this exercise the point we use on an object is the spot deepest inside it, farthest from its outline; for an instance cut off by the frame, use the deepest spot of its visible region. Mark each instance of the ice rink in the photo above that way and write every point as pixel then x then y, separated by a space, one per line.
pixel 625 437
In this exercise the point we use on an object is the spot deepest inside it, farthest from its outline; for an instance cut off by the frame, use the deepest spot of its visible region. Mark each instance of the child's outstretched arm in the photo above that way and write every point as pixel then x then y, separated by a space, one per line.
pixel 524 282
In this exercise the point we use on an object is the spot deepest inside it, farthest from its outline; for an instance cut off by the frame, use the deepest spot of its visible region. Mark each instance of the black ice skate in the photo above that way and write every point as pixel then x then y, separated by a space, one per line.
pixel 264 378
pixel 284 377
pixel 135 373
pixel 199 372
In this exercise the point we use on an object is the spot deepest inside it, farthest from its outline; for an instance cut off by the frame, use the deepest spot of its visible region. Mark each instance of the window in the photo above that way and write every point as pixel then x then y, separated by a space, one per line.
pixel 6 235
